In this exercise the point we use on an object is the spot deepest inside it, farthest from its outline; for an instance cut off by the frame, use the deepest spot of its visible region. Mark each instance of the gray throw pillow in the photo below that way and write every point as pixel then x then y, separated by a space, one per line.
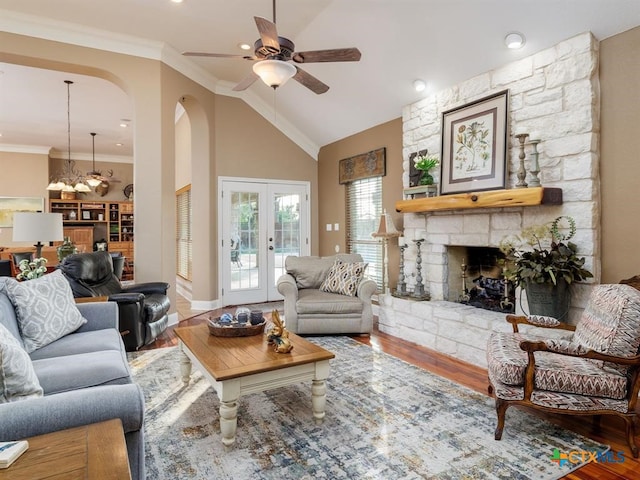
pixel 18 380
pixel 45 308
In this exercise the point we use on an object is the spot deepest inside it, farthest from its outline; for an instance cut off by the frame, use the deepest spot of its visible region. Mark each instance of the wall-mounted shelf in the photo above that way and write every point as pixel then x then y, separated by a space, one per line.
pixel 514 197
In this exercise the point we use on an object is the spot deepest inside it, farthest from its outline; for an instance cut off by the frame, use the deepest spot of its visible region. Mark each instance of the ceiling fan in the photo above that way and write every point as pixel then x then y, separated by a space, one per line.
pixel 273 53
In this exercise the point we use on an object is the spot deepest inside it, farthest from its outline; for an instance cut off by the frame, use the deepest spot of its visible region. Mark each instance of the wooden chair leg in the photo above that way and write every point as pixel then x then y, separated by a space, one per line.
pixel 631 430
pixel 501 410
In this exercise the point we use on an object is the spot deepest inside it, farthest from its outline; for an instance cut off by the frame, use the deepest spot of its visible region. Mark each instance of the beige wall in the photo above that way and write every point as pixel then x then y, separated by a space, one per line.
pixel 332 195
pixel 249 146
pixel 23 175
pixel 183 151
pixel 620 155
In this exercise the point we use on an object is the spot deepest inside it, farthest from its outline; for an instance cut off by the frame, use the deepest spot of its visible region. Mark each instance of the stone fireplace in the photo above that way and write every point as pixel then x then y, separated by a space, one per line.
pixel 475 278
pixel 554 96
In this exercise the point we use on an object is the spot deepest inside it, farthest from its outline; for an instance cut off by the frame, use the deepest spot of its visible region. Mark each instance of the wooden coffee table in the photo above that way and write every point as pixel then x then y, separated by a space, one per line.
pixel 96 451
pixel 238 366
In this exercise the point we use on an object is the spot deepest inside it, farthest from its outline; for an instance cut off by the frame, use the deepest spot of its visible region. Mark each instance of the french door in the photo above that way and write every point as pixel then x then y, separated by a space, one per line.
pixel 262 222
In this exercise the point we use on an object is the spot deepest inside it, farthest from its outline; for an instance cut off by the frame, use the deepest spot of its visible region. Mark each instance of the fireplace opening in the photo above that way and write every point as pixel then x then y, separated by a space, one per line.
pixel 475 278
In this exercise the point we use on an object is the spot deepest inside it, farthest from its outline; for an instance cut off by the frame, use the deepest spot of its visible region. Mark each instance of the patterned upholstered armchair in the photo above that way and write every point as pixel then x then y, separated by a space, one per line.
pixel 595 371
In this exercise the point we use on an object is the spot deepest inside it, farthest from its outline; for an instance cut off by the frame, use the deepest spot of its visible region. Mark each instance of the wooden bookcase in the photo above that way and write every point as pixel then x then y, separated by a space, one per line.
pixel 87 222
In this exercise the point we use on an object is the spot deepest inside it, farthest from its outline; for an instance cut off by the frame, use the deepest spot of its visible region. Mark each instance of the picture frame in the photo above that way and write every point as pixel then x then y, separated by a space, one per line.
pixel 11 205
pixel 474 146
pixel 86 215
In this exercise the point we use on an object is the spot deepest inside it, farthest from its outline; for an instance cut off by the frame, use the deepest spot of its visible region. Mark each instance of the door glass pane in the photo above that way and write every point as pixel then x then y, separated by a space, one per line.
pixel 286 241
pixel 245 233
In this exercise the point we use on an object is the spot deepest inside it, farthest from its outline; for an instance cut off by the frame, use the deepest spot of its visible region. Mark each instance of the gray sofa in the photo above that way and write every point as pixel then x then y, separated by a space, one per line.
pixel 309 310
pixel 84 378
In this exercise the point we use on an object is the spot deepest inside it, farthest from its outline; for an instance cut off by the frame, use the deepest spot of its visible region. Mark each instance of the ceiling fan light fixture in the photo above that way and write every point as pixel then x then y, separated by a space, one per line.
pixel 81 187
pixel 93 182
pixel 514 40
pixel 274 73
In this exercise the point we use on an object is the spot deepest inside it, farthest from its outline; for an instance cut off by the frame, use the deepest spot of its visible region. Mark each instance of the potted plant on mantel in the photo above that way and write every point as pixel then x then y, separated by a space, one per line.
pixel 425 163
pixel 544 262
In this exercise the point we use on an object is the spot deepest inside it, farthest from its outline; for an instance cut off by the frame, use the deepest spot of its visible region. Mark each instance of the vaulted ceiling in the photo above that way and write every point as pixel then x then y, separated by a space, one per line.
pixel 439 41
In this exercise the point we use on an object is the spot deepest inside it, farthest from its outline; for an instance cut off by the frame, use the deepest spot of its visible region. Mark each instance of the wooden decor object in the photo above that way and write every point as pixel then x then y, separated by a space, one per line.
pixel 365 165
pixel 490 199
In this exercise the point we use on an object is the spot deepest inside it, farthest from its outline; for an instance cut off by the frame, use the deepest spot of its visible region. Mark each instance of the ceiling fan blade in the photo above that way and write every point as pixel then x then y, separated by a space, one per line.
pixel 334 55
pixel 246 82
pixel 217 55
pixel 311 82
pixel 268 34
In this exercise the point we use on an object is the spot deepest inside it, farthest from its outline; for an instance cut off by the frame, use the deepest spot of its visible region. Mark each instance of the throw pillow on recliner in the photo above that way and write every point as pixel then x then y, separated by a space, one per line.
pixel 45 308
pixel 344 278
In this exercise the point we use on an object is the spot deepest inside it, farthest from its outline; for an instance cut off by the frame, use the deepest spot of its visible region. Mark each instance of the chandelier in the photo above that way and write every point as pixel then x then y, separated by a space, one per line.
pixel 70 180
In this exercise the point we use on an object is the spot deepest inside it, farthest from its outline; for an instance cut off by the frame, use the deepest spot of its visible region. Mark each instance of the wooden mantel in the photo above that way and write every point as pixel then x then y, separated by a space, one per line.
pixel 514 197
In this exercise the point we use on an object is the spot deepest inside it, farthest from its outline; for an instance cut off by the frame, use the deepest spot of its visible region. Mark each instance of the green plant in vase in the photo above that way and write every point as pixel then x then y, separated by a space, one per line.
pixel 32 269
pixel 425 163
pixel 544 263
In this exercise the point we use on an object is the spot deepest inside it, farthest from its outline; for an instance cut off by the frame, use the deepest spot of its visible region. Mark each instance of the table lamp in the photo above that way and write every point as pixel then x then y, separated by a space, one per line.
pixel 37 227
pixel 386 230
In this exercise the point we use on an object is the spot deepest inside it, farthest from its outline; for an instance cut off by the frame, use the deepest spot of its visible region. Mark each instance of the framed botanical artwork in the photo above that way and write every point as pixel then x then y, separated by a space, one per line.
pixel 474 146
pixel 11 205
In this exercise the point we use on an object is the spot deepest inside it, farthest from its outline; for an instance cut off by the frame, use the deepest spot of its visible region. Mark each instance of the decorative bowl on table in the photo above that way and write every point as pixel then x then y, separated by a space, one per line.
pixel 233 329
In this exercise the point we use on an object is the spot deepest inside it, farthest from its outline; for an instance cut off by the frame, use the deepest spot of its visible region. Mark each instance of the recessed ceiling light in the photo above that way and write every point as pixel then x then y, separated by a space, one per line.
pixel 118 144
pixel 124 125
pixel 419 85
pixel 514 40
pixel 176 1
pixel 244 46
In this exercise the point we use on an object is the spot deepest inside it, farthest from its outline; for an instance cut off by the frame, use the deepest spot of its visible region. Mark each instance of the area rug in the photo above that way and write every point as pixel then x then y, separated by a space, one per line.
pixel 386 419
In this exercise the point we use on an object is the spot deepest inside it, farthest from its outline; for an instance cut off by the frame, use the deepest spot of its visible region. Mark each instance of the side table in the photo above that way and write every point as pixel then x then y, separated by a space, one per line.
pixel 94 452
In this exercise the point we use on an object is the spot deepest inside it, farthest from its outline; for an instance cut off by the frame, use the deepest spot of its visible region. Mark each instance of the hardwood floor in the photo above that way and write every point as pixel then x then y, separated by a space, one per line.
pixel 611 431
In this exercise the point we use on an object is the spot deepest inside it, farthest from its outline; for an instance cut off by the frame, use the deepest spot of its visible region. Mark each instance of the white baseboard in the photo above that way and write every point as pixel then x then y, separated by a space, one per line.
pixel 173 319
pixel 205 304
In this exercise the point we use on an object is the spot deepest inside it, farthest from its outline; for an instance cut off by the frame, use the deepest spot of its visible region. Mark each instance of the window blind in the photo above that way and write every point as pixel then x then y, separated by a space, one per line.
pixel 364 207
pixel 183 232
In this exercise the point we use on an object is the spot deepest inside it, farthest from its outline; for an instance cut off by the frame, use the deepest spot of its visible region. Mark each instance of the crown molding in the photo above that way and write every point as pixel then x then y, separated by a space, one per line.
pixel 75 34
pixel 34 149
pixel 63 155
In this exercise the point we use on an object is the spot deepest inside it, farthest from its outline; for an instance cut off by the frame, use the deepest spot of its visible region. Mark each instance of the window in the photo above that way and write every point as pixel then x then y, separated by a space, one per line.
pixel 183 232
pixel 364 207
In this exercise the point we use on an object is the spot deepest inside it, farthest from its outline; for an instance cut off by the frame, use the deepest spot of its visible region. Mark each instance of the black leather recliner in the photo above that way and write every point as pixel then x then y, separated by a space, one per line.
pixel 143 307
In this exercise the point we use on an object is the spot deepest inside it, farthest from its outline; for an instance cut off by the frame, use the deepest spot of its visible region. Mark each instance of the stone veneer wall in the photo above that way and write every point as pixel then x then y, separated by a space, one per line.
pixel 554 93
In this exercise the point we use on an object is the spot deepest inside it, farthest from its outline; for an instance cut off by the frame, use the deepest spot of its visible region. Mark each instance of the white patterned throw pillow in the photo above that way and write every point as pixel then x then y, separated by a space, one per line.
pixel 344 278
pixel 18 380
pixel 45 309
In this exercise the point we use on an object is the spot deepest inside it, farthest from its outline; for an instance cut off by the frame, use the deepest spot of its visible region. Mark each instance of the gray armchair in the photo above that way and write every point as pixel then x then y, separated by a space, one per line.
pixel 310 310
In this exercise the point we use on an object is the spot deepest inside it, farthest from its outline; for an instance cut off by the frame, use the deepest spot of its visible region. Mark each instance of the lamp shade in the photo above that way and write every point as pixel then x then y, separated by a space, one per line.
pixel 274 72
pixel 37 227
pixel 386 228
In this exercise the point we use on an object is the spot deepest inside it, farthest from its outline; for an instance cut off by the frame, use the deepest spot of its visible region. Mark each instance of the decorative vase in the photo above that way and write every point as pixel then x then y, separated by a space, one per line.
pixel 67 248
pixel 426 178
pixel 548 299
